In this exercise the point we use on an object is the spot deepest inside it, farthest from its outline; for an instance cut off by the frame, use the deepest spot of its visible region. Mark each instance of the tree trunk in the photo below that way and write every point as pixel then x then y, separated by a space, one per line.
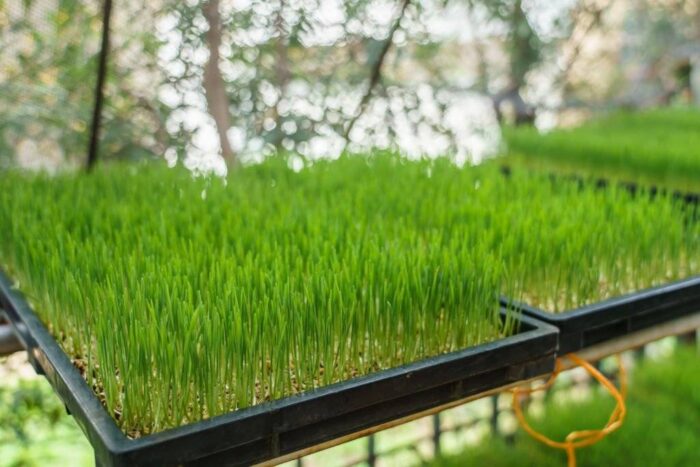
pixel 522 112
pixel 282 70
pixel 524 54
pixel 214 86
pixel 376 71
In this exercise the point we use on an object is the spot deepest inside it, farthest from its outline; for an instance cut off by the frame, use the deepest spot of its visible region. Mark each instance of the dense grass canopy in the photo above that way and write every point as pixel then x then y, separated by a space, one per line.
pixel 182 299
pixel 659 147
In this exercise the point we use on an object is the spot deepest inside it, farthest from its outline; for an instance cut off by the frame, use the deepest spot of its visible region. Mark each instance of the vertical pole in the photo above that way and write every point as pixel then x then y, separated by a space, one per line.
pixel 371 451
pixel 9 343
pixel 99 87
pixel 689 339
pixel 494 415
pixel 300 462
pixel 437 432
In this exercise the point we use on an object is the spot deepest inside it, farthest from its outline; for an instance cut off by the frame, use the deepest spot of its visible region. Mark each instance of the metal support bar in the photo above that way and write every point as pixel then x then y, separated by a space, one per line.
pixel 391 424
pixel 631 341
pixel 494 415
pixel 371 451
pixel 9 343
pixel 690 339
pixel 638 339
pixel 437 433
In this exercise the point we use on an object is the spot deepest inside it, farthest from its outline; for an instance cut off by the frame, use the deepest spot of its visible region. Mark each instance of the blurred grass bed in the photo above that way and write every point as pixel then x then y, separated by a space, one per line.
pixel 661 428
pixel 274 282
pixel 658 147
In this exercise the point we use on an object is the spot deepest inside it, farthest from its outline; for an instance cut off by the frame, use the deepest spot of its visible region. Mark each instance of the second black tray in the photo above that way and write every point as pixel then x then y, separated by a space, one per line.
pixel 593 324
pixel 689 198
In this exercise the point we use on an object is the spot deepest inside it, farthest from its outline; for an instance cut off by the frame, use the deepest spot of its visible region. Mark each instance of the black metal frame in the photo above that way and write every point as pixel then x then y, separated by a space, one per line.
pixel 94 143
pixel 688 198
pixel 596 323
pixel 273 429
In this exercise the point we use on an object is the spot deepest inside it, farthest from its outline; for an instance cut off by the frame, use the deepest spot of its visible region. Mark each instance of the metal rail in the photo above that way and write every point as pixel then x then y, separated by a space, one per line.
pixel 9 343
pixel 635 340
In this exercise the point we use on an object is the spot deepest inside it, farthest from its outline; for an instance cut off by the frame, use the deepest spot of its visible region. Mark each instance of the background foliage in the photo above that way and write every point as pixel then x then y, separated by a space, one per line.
pixel 427 77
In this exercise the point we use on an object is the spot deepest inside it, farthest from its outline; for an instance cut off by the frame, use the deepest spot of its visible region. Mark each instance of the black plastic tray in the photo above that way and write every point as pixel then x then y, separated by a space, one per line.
pixel 689 198
pixel 596 323
pixel 270 430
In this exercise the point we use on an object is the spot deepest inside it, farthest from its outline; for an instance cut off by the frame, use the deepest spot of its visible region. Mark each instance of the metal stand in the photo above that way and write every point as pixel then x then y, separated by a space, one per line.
pixel 630 341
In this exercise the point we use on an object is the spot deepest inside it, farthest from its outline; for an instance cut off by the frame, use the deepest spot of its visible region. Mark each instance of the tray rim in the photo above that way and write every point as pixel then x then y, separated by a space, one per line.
pixel 604 306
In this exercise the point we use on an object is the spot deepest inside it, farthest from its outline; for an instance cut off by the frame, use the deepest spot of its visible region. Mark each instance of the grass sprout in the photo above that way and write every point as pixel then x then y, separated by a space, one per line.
pixel 178 308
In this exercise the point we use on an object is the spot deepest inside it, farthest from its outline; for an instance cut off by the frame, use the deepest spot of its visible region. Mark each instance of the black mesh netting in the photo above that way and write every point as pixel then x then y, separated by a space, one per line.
pixel 48 57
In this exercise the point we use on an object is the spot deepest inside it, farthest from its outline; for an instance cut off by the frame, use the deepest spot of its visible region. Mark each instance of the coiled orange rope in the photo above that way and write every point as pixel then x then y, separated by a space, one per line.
pixel 582 438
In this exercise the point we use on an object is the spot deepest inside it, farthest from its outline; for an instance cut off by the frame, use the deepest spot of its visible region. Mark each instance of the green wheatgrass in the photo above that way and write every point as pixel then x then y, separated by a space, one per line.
pixel 183 307
pixel 659 147
pixel 185 298
pixel 570 246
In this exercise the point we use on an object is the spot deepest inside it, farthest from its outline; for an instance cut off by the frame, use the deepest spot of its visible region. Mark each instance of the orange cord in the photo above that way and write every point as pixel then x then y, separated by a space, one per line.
pixel 582 438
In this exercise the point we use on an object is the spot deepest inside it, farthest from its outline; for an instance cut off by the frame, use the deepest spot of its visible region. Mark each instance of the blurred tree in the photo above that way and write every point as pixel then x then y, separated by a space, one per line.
pixel 524 49
pixel 663 45
pixel 376 70
pixel 243 80
pixel 535 38
pixel 214 85
pixel 293 72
